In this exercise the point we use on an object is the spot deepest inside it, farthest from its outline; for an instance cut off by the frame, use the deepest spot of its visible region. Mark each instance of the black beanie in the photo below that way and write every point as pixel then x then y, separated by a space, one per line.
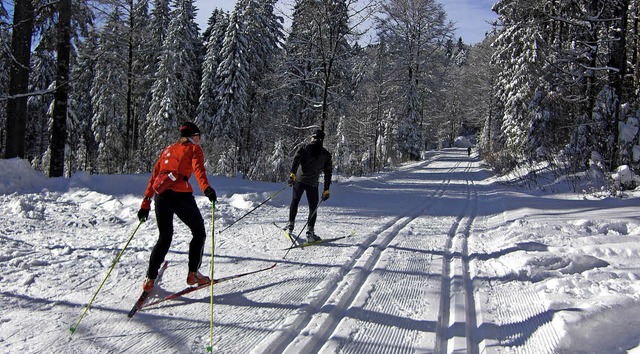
pixel 318 134
pixel 189 129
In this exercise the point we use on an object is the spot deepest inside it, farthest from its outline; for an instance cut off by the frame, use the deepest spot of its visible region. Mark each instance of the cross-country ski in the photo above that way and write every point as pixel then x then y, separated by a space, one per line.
pixel 145 293
pixel 191 289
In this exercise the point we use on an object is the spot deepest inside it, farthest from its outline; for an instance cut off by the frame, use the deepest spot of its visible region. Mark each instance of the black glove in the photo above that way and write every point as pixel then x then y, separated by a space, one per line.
pixel 143 215
pixel 211 194
pixel 325 195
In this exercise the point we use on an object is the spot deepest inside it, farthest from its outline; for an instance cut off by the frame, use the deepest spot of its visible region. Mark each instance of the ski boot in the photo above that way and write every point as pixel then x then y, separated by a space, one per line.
pixel 312 237
pixel 148 283
pixel 195 278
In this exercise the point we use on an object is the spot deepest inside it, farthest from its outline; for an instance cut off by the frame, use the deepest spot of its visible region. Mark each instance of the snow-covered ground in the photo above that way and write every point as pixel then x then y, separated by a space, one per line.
pixel 445 258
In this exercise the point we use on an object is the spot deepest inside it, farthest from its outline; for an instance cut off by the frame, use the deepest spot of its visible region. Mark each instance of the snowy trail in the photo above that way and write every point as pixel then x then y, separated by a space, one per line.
pixel 443 260
pixel 308 331
pixel 457 317
pixel 360 314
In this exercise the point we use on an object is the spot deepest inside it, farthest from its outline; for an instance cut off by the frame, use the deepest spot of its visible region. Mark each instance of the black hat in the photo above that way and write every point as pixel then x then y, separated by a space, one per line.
pixel 189 129
pixel 318 134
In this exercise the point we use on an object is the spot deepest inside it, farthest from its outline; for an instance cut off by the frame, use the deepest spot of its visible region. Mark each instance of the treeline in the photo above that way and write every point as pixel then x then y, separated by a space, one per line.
pixel 556 83
pixel 139 68
pixel 566 88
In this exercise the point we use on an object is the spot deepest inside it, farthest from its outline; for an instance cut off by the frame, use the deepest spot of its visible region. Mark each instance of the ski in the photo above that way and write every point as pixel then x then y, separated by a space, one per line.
pixel 287 234
pixel 315 243
pixel 195 288
pixel 145 294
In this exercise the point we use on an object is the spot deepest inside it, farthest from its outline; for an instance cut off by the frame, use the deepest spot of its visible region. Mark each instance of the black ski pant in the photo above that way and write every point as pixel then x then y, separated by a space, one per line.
pixel 184 206
pixel 312 199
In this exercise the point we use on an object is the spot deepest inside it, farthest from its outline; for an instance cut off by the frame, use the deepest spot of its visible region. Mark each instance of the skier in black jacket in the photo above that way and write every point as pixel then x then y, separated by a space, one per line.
pixel 309 161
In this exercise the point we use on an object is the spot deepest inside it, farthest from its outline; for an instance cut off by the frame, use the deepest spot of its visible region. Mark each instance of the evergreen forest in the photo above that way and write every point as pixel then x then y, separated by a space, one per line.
pixel 101 86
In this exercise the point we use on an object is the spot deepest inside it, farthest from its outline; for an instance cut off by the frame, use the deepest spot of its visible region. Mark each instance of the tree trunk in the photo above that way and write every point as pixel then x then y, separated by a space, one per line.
pixel 618 60
pixel 128 134
pixel 61 96
pixel 19 78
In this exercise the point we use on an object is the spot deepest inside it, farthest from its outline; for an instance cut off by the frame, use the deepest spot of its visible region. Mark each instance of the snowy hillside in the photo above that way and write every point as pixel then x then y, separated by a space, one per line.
pixel 445 258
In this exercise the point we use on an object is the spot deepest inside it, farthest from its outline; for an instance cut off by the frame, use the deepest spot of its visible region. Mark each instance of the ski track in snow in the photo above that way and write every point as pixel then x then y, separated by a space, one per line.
pixel 402 284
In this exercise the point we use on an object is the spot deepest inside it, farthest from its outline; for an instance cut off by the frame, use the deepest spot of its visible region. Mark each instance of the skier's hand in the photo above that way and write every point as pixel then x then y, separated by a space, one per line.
pixel 292 178
pixel 143 215
pixel 211 194
pixel 325 195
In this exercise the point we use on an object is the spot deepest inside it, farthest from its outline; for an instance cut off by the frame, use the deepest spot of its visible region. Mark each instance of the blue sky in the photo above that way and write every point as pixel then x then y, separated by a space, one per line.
pixel 470 16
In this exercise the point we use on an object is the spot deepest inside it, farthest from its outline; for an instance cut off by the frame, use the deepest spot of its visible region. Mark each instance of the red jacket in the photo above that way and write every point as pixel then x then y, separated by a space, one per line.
pixel 191 160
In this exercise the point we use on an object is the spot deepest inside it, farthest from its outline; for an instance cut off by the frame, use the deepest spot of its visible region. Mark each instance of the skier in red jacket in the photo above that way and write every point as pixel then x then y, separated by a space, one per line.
pixel 169 186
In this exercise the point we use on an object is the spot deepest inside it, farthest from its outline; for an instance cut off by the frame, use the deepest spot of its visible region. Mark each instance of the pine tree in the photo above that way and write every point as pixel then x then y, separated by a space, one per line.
pixel 5 42
pixel 140 60
pixel 263 30
pixel 175 90
pixel 53 55
pixel 519 55
pixel 81 140
pixel 38 118
pixel 232 92
pixel 108 93
pixel 219 22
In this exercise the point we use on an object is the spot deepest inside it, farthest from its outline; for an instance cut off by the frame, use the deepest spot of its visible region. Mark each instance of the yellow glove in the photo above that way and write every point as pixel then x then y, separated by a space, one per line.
pixel 292 178
pixel 325 195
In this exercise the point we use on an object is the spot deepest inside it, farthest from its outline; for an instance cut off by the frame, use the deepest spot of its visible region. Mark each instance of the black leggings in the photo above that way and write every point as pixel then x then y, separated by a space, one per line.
pixel 184 206
pixel 312 199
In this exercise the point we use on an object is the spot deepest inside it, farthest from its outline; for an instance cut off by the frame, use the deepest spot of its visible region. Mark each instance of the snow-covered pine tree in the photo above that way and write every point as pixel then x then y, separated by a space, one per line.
pixel 264 33
pixel 160 19
pixel 42 82
pixel 41 79
pixel 108 91
pixel 82 145
pixel 278 162
pixel 233 74
pixel 300 67
pixel 219 21
pixel 175 90
pixel 140 61
pixel 5 42
pixel 520 58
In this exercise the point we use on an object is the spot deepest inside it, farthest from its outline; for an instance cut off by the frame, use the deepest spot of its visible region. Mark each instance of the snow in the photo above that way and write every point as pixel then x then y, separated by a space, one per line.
pixel 446 258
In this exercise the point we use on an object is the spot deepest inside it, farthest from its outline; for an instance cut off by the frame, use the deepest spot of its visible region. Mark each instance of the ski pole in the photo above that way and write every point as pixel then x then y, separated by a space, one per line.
pixel 73 328
pixel 213 210
pixel 293 243
pixel 254 209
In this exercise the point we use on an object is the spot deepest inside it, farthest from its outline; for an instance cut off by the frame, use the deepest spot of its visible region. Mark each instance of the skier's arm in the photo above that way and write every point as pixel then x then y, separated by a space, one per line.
pixel 328 171
pixel 296 161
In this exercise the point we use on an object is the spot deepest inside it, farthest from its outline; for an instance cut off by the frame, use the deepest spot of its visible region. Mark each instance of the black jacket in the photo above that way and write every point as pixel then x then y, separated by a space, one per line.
pixel 309 162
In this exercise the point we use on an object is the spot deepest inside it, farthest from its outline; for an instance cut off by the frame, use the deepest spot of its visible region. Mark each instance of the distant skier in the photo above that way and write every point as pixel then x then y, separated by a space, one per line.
pixel 169 183
pixel 469 151
pixel 309 161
